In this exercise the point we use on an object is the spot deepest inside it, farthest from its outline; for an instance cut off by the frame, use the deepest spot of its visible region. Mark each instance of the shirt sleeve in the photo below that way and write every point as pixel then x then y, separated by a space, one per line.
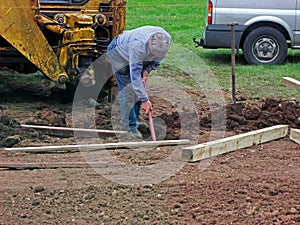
pixel 136 67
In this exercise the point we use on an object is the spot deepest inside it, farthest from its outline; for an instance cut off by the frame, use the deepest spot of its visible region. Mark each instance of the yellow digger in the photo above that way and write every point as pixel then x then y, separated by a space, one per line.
pixel 61 38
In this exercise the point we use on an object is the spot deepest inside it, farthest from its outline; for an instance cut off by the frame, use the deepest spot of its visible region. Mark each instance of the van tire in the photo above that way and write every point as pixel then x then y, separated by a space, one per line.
pixel 265 46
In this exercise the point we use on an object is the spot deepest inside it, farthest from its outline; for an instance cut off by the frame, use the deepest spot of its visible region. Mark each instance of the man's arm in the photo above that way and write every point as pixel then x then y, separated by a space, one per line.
pixel 138 83
pixel 136 52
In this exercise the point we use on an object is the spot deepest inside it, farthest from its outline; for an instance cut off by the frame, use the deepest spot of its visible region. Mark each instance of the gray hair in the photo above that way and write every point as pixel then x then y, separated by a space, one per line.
pixel 159 45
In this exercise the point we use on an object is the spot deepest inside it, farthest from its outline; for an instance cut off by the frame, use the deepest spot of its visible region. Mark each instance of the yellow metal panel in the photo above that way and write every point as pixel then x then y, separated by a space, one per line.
pixel 20 29
pixel 117 13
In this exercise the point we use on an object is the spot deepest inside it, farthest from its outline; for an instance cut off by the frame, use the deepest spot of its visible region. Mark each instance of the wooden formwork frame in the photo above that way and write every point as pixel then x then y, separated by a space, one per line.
pixel 290 82
pixel 295 135
pixel 229 144
pixel 191 154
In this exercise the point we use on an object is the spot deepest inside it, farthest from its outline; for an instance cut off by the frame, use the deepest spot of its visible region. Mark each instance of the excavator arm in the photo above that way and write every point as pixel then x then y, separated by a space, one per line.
pixel 60 37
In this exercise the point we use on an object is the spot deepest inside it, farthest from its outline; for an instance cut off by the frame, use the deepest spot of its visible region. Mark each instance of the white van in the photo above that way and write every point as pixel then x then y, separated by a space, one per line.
pixel 265 30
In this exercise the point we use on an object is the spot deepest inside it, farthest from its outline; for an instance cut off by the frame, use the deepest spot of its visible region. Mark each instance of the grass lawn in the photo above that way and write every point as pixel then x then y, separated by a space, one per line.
pixel 185 20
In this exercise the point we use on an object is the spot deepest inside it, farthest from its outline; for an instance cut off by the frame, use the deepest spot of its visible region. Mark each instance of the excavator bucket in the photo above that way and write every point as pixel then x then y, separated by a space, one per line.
pixel 20 29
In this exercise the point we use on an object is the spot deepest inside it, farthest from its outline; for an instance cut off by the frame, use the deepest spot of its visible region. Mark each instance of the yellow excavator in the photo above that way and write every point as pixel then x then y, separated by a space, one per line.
pixel 61 38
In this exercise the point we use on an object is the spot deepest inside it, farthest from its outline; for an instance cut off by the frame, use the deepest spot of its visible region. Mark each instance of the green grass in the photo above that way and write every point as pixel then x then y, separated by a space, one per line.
pixel 185 20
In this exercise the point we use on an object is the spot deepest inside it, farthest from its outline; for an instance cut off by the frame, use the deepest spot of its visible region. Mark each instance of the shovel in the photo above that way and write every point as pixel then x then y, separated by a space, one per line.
pixel 151 125
pixel 236 107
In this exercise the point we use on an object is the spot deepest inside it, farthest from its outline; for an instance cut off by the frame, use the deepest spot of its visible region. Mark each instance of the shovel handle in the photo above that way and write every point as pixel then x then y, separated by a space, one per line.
pixel 151 125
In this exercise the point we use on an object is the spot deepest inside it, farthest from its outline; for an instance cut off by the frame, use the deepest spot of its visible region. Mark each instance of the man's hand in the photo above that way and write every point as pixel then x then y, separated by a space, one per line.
pixel 145 75
pixel 147 106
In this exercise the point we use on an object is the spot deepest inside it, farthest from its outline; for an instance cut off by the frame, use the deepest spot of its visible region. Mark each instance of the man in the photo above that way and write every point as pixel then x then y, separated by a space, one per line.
pixel 133 55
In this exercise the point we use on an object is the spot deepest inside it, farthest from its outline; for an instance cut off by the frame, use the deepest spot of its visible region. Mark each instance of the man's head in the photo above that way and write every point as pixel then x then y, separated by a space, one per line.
pixel 159 45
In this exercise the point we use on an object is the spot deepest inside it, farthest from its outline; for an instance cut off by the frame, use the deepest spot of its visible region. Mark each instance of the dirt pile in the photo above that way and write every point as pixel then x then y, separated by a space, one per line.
pixel 12 133
pixel 269 113
pixel 48 118
pixel 8 135
pixel 253 116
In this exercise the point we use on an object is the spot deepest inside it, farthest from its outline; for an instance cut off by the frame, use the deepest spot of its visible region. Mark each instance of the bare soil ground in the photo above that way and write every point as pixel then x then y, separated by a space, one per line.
pixel 257 185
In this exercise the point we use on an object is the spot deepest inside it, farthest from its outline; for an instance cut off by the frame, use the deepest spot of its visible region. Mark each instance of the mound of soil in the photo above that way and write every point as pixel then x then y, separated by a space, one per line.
pixel 48 118
pixel 11 133
pixel 269 113
pixel 256 115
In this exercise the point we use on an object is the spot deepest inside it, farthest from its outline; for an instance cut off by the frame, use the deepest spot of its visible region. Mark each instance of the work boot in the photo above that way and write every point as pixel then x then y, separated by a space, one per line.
pixel 135 134
pixel 132 135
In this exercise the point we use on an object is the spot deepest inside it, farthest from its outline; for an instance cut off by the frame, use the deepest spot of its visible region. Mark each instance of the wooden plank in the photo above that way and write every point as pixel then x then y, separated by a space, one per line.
pixel 95 147
pixel 290 82
pixel 295 135
pixel 229 144
pixel 69 132
pixel 55 165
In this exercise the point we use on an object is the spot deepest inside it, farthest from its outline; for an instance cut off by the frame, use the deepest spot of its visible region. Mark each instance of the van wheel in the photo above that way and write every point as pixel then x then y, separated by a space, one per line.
pixel 265 46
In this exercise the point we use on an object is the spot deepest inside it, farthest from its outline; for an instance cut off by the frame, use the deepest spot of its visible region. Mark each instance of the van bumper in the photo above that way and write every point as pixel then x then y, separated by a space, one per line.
pixel 219 36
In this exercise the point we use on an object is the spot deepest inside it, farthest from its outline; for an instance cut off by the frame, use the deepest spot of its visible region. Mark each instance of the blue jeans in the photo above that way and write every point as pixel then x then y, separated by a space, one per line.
pixel 129 105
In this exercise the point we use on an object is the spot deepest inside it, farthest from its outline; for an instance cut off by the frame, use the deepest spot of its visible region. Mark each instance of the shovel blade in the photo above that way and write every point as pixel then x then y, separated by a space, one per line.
pixel 237 108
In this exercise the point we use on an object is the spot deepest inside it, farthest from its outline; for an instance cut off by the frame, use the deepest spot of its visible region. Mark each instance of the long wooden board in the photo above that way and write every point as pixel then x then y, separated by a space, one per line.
pixel 95 147
pixel 229 144
pixel 290 82
pixel 69 132
pixel 55 165
pixel 295 135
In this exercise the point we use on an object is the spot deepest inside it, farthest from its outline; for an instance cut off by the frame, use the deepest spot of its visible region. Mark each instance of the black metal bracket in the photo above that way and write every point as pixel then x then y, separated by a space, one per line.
pixel 199 43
